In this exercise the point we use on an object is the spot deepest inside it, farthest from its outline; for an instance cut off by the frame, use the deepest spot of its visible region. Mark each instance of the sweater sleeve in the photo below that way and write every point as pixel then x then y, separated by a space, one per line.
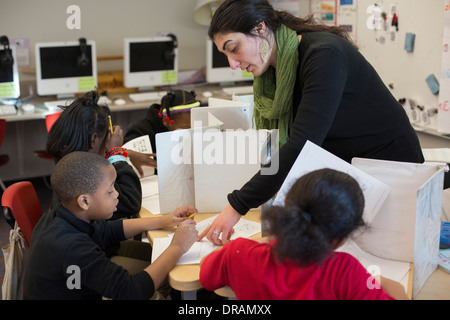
pixel 323 75
pixel 101 275
pixel 129 188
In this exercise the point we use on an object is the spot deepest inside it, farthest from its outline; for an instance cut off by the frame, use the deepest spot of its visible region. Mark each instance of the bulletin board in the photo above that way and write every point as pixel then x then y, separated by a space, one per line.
pixel 404 72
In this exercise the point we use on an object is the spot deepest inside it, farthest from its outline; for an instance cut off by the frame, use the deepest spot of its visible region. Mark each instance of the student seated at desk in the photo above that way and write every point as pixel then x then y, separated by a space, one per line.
pixel 173 113
pixel 321 210
pixel 66 258
pixel 84 126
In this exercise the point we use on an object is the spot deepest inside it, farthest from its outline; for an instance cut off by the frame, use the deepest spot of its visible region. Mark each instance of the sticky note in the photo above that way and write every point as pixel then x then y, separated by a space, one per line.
pixel 86 83
pixel 8 90
pixel 169 77
pixel 409 41
pixel 433 83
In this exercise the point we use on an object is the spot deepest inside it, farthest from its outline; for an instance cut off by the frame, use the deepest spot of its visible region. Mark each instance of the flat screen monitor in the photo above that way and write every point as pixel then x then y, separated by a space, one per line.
pixel 9 74
pixel 150 62
pixel 218 69
pixel 65 68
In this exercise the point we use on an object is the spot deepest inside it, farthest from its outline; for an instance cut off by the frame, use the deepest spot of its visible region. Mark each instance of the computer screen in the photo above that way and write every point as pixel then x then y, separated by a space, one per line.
pixel 218 69
pixel 9 75
pixel 65 68
pixel 150 62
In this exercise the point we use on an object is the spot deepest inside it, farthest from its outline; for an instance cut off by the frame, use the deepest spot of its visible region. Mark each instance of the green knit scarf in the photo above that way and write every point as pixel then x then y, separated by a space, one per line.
pixel 273 90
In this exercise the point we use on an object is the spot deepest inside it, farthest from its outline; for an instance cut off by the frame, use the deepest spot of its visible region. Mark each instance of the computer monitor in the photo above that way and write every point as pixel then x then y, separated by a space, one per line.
pixel 150 62
pixel 218 69
pixel 65 68
pixel 9 74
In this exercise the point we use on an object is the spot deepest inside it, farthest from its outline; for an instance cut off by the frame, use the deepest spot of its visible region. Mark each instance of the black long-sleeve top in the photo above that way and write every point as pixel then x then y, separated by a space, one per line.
pixel 129 188
pixel 341 104
pixel 61 243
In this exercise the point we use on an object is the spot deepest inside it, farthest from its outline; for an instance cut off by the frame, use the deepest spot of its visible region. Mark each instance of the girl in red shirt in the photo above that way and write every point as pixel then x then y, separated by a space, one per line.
pixel 298 261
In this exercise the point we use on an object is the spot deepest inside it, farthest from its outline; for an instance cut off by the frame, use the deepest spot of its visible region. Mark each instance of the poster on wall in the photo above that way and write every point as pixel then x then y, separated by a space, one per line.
pixel 342 13
pixel 347 17
pixel 444 87
pixel 291 6
pixel 324 10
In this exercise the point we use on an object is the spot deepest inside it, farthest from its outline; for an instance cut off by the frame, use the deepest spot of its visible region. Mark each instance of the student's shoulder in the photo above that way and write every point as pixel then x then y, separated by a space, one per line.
pixel 345 262
pixel 245 245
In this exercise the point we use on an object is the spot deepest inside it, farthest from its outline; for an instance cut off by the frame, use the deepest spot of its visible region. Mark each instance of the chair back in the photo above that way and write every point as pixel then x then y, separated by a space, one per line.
pixel 22 200
pixel 2 130
pixel 50 120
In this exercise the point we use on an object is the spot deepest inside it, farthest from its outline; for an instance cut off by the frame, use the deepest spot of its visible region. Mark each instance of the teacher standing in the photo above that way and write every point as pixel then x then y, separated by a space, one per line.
pixel 310 83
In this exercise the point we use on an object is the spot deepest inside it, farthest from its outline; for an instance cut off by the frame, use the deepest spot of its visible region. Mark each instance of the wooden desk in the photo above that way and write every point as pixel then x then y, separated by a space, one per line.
pixel 437 287
pixel 185 278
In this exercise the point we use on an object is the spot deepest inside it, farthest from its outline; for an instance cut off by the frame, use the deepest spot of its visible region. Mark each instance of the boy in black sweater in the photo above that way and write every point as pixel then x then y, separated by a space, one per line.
pixel 66 258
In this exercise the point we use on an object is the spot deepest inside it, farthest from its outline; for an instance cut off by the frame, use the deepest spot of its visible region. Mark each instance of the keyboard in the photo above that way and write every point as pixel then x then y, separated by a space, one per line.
pixel 7 110
pixel 54 105
pixel 147 96
pixel 239 90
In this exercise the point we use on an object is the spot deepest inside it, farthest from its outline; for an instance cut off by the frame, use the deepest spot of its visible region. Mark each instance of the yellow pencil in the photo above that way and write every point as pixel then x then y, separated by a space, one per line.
pixel 110 124
pixel 191 216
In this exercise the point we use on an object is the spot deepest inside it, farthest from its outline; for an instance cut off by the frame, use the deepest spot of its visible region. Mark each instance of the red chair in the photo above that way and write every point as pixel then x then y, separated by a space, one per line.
pixel 21 199
pixel 49 121
pixel 4 158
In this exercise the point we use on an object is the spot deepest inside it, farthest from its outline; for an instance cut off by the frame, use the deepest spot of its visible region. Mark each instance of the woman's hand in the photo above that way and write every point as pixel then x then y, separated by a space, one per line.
pixel 223 224
pixel 139 159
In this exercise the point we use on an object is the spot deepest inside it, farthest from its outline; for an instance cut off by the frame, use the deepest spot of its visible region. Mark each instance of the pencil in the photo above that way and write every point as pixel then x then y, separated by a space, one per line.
pixel 110 124
pixel 191 216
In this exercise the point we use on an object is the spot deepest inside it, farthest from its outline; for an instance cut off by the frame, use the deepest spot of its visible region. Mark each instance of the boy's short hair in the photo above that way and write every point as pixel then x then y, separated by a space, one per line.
pixel 78 173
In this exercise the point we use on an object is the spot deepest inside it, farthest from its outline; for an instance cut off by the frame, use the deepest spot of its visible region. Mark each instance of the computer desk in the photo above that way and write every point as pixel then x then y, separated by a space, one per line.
pixel 185 278
pixel 26 131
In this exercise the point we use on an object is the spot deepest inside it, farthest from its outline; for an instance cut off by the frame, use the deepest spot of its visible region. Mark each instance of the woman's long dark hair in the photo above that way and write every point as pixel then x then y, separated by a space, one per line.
pixel 73 129
pixel 322 207
pixel 244 15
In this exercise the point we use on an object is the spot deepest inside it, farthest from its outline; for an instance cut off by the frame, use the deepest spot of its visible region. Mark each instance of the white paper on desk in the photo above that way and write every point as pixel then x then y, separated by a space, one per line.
pixel 394 270
pixel 193 256
pixel 244 228
pixel 313 157
pixel 140 144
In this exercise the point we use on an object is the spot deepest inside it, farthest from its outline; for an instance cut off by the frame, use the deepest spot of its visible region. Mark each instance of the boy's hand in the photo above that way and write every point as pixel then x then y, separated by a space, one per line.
pixel 179 215
pixel 185 236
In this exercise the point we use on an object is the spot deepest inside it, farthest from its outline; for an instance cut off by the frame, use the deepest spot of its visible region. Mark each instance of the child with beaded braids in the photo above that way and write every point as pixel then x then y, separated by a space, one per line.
pixel 173 113
pixel 298 260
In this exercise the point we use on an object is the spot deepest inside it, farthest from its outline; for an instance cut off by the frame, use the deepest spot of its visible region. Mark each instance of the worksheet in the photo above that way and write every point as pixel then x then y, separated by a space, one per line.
pixel 142 145
pixel 244 229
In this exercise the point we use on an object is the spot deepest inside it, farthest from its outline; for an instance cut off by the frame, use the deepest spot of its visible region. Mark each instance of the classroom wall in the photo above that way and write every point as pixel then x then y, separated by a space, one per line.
pixel 405 71
pixel 109 21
